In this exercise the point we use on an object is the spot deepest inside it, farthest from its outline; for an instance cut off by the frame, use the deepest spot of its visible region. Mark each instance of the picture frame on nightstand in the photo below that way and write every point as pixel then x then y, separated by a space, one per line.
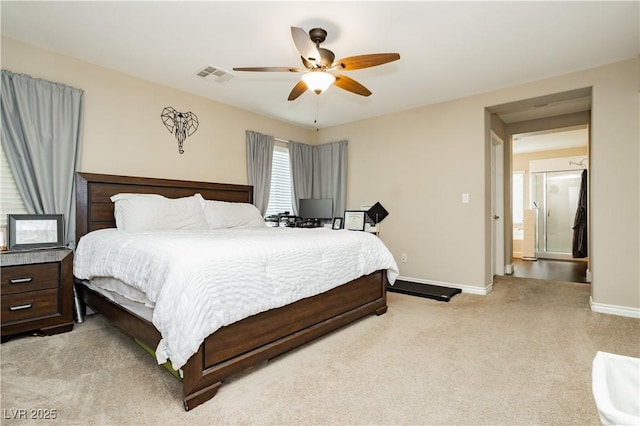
pixel 34 231
pixel 337 223
pixel 354 220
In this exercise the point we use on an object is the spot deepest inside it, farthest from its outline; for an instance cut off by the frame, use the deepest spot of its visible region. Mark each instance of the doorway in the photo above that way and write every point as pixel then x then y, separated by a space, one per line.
pixel 551 164
pixel 544 117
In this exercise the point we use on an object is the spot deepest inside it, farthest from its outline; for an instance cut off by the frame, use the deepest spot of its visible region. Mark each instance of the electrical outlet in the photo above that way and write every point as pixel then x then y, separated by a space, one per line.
pixel 404 257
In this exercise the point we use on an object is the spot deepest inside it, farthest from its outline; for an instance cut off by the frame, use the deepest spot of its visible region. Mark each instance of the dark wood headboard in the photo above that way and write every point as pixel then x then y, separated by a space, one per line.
pixel 94 208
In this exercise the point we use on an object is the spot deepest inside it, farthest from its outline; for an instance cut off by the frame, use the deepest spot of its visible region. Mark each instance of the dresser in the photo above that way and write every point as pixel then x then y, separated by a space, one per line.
pixel 37 291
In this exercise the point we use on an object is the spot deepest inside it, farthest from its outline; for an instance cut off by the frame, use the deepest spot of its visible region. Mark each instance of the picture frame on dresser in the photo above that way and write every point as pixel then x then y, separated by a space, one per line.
pixel 35 231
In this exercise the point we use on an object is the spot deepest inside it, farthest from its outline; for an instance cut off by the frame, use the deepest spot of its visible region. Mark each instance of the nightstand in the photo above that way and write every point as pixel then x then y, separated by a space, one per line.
pixel 37 291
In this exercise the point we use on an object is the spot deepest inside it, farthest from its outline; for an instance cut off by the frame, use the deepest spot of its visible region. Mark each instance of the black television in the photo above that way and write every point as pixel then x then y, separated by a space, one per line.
pixel 315 208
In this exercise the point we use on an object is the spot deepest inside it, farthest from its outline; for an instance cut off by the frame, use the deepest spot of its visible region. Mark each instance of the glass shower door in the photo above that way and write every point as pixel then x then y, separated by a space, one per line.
pixel 556 195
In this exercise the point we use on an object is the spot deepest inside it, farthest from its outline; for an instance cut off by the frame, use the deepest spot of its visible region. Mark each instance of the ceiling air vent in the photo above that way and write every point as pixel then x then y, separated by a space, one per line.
pixel 216 74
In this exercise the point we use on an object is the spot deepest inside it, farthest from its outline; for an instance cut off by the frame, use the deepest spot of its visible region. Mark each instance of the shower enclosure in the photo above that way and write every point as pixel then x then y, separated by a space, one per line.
pixel 556 195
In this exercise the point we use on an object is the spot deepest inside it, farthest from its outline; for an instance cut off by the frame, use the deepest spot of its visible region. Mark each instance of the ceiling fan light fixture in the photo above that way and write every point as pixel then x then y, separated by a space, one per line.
pixel 317 61
pixel 318 81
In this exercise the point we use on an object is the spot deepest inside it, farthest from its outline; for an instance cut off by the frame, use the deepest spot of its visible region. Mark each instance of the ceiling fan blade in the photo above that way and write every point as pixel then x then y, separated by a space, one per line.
pixel 268 69
pixel 350 85
pixel 365 61
pixel 298 90
pixel 305 46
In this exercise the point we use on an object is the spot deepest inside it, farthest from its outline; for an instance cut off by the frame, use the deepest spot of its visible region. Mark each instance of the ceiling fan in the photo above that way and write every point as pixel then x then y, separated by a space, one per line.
pixel 318 62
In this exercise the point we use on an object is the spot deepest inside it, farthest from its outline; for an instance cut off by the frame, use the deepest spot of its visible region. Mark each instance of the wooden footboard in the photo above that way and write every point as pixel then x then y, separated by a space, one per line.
pixel 249 342
pixel 263 336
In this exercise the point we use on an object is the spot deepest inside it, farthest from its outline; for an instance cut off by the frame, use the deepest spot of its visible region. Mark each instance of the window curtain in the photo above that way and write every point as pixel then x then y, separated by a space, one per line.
pixel 330 174
pixel 301 164
pixel 320 171
pixel 259 164
pixel 42 135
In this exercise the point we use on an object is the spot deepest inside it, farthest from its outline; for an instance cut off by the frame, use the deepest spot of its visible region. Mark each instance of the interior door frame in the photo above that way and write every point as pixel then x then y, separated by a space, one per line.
pixel 497 206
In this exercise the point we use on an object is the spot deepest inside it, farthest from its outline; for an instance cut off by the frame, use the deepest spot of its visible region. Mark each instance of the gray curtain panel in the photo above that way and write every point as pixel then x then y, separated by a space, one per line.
pixel 320 171
pixel 330 174
pixel 301 164
pixel 259 164
pixel 41 135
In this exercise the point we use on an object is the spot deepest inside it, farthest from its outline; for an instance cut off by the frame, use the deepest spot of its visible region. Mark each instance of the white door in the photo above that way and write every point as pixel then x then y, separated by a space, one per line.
pixel 497 205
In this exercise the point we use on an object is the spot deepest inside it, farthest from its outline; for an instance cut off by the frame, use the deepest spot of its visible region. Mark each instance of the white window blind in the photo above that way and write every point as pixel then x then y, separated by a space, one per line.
pixel 280 193
pixel 518 197
pixel 10 199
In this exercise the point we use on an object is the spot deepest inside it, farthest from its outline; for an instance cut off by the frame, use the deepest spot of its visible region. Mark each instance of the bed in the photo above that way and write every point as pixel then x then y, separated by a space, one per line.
pixel 240 345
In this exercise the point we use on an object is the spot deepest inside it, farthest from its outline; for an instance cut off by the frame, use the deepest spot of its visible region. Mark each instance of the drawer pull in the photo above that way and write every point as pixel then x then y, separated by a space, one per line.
pixel 21 280
pixel 20 307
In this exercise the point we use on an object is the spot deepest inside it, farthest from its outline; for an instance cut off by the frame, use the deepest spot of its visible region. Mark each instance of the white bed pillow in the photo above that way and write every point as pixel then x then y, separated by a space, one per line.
pixel 222 214
pixel 153 212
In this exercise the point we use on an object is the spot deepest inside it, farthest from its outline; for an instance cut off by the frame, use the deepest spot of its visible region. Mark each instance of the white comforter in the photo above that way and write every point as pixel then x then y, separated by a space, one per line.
pixel 203 280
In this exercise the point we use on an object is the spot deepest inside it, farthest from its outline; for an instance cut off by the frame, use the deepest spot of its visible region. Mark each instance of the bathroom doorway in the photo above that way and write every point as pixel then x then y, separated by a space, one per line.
pixel 554 128
pixel 549 165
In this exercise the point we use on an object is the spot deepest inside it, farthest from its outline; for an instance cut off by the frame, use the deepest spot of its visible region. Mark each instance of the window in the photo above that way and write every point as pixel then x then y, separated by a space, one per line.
pixel 280 193
pixel 517 199
pixel 10 199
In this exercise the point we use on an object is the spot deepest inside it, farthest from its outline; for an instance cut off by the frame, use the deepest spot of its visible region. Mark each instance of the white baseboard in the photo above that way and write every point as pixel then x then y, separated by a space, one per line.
pixel 483 291
pixel 623 311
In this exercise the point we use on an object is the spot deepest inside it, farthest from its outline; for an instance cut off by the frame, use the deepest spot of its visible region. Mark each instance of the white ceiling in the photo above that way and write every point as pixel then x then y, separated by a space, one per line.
pixel 551 140
pixel 448 49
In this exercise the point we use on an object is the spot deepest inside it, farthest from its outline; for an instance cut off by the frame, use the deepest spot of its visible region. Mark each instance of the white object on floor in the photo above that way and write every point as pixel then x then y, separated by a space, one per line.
pixel 616 388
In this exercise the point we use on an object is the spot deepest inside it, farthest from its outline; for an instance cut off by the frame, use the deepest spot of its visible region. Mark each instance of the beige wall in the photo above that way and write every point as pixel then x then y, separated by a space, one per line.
pixel 418 163
pixel 123 132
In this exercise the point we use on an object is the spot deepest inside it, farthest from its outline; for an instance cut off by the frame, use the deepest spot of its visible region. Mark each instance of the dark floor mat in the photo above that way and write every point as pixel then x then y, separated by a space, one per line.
pixel 443 294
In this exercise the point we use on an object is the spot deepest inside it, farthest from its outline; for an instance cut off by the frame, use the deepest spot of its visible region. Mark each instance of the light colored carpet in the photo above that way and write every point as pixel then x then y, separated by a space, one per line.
pixel 521 355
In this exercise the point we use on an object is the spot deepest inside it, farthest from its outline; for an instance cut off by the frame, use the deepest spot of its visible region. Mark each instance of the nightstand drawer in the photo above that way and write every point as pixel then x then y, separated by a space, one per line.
pixel 29 305
pixel 22 278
